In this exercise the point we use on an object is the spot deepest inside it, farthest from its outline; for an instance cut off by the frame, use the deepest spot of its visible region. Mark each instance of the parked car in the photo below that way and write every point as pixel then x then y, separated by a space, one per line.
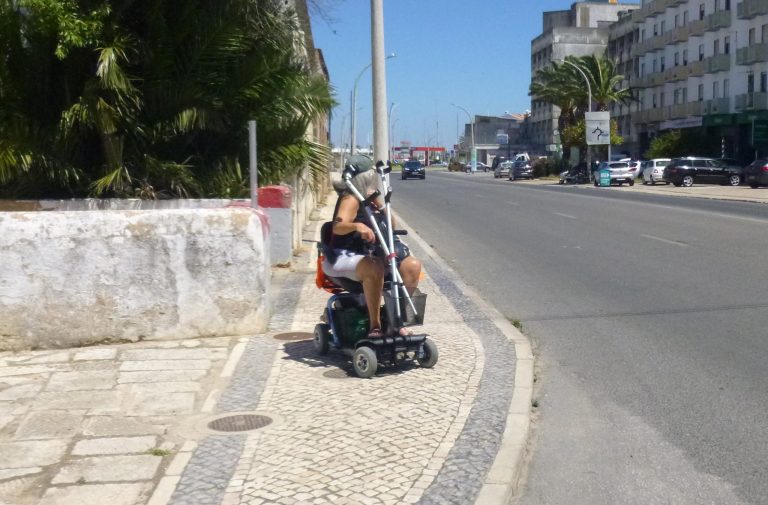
pixel 620 172
pixel 653 170
pixel 575 175
pixel 636 167
pixel 684 171
pixel 481 167
pixel 438 163
pixel 413 169
pixel 520 170
pixel 503 169
pixel 756 173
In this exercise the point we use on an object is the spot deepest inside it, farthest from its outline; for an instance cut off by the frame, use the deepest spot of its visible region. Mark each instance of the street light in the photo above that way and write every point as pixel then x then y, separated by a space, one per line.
pixel 389 129
pixel 473 155
pixel 354 102
pixel 392 136
pixel 589 108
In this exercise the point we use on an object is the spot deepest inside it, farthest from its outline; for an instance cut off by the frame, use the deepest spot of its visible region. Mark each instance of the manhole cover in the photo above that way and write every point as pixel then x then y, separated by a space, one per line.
pixel 294 336
pixel 244 422
pixel 336 374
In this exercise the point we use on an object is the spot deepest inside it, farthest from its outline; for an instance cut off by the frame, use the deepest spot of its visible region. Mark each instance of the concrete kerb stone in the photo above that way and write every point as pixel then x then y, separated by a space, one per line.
pixel 502 479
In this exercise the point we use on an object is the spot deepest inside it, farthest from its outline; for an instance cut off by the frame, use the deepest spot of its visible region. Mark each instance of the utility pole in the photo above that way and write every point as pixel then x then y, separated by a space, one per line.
pixel 380 134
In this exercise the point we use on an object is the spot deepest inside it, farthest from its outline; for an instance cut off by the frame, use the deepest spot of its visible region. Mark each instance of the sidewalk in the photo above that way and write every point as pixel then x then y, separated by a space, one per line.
pixel 263 419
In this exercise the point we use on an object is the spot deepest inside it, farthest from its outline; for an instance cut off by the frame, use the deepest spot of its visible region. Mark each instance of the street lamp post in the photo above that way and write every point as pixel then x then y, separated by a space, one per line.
pixel 353 99
pixel 589 108
pixel 392 107
pixel 473 153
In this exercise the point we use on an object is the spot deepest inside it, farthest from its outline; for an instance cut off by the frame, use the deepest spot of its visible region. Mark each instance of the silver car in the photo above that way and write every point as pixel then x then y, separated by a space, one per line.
pixel 503 169
pixel 620 172
pixel 653 170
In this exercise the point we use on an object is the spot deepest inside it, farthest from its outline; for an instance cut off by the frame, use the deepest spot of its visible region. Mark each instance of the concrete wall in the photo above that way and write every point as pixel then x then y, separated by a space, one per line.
pixel 77 278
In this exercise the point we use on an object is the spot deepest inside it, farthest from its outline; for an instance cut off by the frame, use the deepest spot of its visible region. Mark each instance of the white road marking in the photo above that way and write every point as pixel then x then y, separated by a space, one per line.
pixel 665 240
pixel 565 215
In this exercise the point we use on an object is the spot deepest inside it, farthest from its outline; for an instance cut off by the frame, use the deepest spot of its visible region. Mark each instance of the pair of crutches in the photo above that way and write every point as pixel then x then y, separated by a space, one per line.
pixel 388 243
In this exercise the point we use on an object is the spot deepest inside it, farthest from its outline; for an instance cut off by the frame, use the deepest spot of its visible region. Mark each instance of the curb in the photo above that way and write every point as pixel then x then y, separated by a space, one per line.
pixel 501 482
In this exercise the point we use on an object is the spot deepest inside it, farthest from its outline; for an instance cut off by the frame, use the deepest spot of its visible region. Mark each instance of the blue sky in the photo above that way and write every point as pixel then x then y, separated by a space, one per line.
pixel 475 53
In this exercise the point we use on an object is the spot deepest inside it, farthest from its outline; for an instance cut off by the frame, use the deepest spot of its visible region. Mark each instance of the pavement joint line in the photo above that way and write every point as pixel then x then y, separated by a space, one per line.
pixel 501 489
pixel 164 490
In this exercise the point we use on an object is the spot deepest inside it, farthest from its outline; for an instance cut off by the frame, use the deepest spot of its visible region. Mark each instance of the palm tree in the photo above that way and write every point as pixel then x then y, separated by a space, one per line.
pixel 605 82
pixel 150 98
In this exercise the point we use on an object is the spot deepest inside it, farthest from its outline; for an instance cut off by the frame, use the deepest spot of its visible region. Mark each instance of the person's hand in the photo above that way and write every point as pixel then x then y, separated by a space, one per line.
pixel 365 232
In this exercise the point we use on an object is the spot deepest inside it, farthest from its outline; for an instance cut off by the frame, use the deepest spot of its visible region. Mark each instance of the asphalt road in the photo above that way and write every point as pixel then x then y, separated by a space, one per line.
pixel 649 319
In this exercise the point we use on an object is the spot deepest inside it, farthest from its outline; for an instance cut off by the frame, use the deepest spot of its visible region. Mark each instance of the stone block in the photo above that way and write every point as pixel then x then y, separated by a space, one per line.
pixel 31 453
pixel 108 469
pixel 106 426
pixel 114 445
pixel 112 494
pixel 160 364
pixel 48 424
pixel 79 381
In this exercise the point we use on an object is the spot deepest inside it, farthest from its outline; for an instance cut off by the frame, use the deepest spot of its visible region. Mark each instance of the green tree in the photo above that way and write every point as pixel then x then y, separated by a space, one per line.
pixel 151 98
pixel 676 143
pixel 562 84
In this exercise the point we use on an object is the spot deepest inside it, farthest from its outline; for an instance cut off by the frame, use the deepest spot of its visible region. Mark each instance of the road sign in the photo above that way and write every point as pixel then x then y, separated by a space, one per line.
pixel 598 128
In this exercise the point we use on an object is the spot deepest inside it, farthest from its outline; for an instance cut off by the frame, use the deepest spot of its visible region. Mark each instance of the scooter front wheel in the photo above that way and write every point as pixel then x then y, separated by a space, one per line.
pixel 364 362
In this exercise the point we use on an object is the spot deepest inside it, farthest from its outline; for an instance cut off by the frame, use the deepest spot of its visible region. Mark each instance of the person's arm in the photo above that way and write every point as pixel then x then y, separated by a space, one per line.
pixel 345 220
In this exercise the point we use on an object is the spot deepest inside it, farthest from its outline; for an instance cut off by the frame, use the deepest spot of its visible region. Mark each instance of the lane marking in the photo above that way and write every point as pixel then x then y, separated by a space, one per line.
pixel 565 215
pixel 665 240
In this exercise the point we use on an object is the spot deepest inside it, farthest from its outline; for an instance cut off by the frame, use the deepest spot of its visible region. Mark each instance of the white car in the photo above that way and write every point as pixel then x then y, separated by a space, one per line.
pixel 653 170
pixel 619 170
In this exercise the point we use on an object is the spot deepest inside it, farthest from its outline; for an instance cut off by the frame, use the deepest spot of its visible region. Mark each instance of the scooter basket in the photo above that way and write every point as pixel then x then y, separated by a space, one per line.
pixel 410 318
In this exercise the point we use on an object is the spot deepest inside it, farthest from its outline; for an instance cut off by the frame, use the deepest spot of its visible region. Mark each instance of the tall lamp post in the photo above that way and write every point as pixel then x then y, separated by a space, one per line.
pixel 353 98
pixel 392 107
pixel 473 155
pixel 589 108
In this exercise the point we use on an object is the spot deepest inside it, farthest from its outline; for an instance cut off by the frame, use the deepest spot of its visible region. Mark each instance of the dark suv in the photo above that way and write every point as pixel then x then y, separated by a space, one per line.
pixel 413 169
pixel 684 171
pixel 756 174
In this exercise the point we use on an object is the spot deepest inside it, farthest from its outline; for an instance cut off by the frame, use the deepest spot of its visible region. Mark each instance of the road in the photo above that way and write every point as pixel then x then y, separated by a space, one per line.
pixel 648 317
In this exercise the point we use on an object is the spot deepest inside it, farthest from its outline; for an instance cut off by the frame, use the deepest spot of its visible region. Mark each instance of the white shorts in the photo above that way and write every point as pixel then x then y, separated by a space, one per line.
pixel 345 264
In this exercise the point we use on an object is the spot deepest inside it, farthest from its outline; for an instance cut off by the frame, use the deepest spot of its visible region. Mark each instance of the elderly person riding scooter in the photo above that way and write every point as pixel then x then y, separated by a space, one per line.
pixel 350 245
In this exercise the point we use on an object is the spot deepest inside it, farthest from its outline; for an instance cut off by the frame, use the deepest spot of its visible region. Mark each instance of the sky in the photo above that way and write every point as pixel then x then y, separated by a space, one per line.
pixel 474 53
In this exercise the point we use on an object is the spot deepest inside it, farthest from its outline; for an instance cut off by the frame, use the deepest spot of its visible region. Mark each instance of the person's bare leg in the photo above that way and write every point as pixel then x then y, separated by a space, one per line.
pixel 370 271
pixel 410 271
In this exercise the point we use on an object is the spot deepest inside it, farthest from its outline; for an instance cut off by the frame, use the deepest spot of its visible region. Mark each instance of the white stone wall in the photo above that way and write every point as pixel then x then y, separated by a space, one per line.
pixel 78 278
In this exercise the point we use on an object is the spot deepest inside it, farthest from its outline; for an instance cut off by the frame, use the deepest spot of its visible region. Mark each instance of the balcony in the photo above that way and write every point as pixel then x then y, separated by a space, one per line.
pixel 755 53
pixel 677 111
pixel 696 68
pixel 749 9
pixel 717 63
pixel 697 28
pixel 678 73
pixel 752 101
pixel 717 21
pixel 717 106
pixel 694 108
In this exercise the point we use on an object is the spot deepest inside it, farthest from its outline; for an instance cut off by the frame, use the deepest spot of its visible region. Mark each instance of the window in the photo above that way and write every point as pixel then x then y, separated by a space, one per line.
pixel 685 95
pixel 685 56
pixel 701 92
pixel 677 59
pixel 716 47
pixel 763 82
pixel 677 20
pixel 654 100
pixel 642 35
pixel 751 36
pixel 702 11
pixel 715 89
pixel 764 34
pixel 727 5
pixel 676 97
pixel 750 83
pixel 655 29
pixel 685 18
pixel 661 28
pixel 726 87
pixel 654 66
pixel 661 99
pixel 701 52
pixel 642 69
pixel 662 64
pixel 727 44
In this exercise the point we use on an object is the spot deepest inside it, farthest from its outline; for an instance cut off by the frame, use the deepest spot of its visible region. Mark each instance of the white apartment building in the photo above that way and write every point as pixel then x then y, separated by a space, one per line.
pixel 703 64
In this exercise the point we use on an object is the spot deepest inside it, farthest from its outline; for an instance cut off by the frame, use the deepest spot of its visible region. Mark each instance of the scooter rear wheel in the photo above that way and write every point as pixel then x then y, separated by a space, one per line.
pixel 321 338
pixel 430 354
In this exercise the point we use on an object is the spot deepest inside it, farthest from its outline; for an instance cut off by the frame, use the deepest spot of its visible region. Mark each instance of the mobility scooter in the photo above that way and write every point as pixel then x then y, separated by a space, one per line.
pixel 345 319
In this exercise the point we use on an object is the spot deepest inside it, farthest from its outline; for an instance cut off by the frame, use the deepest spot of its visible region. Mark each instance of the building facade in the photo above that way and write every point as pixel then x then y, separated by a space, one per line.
pixel 582 30
pixel 495 135
pixel 703 65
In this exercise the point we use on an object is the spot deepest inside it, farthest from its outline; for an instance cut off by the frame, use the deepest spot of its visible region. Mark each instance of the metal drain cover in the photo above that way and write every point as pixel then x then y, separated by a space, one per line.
pixel 293 336
pixel 241 422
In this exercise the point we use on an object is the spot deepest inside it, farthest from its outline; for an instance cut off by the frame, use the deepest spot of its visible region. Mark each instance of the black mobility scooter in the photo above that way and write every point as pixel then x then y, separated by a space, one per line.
pixel 345 319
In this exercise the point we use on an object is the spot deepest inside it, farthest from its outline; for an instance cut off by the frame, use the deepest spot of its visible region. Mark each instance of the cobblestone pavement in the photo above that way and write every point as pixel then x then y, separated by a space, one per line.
pixel 129 424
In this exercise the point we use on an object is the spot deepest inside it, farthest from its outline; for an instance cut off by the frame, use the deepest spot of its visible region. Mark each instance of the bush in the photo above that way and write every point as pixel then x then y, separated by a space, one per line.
pixel 543 167
pixel 455 166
